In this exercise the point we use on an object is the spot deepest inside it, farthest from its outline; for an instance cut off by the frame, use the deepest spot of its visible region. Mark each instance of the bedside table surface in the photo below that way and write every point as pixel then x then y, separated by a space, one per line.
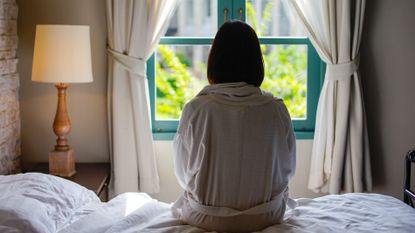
pixel 93 176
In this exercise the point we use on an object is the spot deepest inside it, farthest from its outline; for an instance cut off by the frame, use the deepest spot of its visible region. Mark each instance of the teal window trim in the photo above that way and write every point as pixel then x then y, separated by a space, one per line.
pixel 304 128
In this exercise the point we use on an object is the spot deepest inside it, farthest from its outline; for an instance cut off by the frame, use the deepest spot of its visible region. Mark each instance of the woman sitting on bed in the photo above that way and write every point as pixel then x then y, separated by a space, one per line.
pixel 235 146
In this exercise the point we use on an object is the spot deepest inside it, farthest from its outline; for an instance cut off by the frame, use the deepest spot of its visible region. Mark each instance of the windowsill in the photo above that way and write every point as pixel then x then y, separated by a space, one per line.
pixel 168 136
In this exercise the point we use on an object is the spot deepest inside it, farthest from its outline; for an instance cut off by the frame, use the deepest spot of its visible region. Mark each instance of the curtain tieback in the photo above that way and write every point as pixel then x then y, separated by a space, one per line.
pixel 133 64
pixel 342 71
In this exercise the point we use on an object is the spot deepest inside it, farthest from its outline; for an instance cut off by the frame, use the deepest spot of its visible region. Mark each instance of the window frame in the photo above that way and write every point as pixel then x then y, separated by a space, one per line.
pixel 303 128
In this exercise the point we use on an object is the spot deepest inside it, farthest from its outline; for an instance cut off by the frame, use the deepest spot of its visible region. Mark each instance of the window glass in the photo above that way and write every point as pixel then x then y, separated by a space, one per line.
pixel 181 74
pixel 273 18
pixel 194 18
pixel 286 76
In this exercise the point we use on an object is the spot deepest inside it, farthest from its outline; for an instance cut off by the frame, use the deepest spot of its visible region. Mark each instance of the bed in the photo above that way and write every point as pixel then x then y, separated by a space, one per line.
pixel 35 202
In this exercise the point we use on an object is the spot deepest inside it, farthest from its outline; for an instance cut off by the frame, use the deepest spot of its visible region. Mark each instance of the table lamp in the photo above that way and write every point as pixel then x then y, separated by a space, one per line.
pixel 62 55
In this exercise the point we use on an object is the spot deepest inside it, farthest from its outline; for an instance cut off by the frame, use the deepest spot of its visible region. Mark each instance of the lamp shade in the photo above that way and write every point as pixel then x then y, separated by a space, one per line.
pixel 62 54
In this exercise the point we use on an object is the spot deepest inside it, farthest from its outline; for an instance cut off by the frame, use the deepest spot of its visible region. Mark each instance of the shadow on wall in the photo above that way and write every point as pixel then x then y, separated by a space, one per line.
pixel 388 69
pixel 370 86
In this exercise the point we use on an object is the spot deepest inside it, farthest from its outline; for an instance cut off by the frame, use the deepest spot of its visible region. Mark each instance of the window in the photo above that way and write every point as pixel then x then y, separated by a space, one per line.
pixel 177 70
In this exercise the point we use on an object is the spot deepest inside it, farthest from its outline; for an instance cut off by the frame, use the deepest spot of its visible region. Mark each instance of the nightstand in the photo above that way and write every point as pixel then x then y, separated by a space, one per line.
pixel 93 176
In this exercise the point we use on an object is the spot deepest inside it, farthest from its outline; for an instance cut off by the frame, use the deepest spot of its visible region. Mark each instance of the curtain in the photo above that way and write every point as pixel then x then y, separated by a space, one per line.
pixel 134 30
pixel 340 156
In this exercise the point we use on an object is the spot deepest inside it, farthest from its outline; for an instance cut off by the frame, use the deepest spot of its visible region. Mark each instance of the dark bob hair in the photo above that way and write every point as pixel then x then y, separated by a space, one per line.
pixel 235 55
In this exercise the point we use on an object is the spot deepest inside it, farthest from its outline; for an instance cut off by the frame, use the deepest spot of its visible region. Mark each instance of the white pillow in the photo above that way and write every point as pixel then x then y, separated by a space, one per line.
pixel 35 202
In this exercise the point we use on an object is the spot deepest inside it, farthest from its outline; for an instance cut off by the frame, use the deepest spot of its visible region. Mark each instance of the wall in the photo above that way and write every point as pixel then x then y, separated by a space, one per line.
pixel 9 86
pixel 387 62
pixel 388 71
pixel 86 102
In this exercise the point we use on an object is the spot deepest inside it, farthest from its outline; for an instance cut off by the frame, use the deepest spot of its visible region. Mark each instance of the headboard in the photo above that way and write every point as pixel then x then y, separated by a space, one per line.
pixel 408 194
pixel 9 84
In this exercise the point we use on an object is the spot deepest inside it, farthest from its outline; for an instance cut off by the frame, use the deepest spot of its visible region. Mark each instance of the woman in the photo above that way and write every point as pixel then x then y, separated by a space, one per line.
pixel 235 146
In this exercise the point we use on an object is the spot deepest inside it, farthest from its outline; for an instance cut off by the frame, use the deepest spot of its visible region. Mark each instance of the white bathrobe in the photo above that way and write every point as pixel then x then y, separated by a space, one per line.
pixel 234 156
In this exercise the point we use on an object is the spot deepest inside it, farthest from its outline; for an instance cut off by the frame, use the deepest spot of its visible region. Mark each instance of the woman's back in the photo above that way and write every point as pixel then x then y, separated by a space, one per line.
pixel 239 160
pixel 235 146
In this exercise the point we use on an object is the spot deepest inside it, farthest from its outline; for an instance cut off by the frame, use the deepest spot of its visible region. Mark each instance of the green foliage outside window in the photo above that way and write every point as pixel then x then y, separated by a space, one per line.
pixel 175 83
pixel 285 73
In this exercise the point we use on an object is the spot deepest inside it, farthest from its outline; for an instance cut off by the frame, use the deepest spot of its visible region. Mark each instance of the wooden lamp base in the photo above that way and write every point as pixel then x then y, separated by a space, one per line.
pixel 62 163
pixel 62 158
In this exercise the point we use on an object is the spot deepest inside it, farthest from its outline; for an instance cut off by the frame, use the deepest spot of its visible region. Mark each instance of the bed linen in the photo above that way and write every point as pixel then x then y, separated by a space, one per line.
pixel 40 203
pixel 357 212
pixel 35 202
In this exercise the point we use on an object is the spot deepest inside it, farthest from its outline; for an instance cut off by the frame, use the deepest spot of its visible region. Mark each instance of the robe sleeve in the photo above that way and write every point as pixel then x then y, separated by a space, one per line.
pixel 182 148
pixel 291 141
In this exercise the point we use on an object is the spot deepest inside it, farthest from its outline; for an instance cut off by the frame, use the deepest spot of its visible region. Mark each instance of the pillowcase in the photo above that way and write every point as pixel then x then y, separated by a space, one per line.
pixel 36 202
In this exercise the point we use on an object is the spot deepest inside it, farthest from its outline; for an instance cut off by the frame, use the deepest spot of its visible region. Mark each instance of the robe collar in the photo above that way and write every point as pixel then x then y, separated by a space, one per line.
pixel 237 93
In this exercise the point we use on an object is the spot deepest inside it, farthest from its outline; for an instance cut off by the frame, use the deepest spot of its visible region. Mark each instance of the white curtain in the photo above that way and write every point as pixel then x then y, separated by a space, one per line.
pixel 340 157
pixel 134 30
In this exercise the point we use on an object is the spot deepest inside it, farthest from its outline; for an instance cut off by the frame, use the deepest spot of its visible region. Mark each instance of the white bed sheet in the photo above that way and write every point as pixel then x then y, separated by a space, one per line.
pixel 137 212
pixel 35 202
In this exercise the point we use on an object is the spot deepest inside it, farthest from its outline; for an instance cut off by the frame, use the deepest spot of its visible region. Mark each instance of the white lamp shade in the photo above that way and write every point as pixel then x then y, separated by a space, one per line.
pixel 62 54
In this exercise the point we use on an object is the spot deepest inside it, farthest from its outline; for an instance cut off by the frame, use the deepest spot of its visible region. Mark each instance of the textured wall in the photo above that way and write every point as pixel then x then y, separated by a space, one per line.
pixel 9 84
